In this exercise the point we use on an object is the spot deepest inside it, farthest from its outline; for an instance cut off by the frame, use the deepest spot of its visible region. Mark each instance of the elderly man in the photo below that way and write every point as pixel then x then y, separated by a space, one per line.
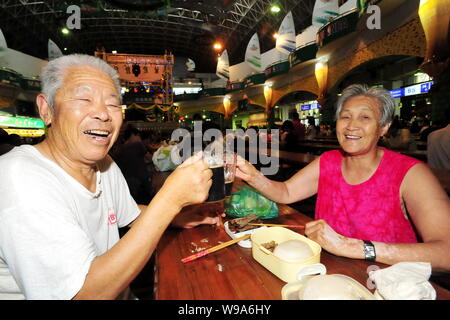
pixel 64 199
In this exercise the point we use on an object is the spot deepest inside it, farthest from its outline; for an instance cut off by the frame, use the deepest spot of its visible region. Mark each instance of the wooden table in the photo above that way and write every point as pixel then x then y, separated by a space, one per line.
pixel 232 273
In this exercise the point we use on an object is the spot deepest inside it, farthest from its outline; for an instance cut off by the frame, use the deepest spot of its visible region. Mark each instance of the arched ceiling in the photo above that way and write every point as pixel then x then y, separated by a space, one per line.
pixel 187 28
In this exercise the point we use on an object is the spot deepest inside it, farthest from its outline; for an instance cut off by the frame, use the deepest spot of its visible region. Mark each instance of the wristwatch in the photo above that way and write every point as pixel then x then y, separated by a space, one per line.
pixel 369 251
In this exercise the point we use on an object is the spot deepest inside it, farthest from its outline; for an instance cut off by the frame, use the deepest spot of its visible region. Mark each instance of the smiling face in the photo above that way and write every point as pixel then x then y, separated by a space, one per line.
pixel 358 126
pixel 87 116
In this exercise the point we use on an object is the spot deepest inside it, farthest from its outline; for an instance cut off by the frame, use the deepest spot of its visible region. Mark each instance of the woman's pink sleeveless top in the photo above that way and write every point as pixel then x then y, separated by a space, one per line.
pixel 370 210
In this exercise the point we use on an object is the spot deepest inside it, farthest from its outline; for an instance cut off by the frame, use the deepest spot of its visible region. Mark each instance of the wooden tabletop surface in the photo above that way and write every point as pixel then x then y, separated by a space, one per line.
pixel 232 273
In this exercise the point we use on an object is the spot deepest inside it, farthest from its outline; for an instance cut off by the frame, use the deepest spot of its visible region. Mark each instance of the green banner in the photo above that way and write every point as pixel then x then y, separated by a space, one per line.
pixel 10 77
pixel 276 69
pixel 31 84
pixel 339 27
pixel 237 85
pixel 210 92
pixel 254 79
pixel 21 122
pixel 303 54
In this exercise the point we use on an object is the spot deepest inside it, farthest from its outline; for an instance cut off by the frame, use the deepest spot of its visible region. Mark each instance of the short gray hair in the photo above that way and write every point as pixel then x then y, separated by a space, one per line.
pixel 382 95
pixel 53 73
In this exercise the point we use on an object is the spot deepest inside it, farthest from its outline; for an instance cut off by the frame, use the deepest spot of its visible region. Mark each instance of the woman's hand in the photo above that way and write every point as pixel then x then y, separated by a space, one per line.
pixel 189 183
pixel 331 241
pixel 245 170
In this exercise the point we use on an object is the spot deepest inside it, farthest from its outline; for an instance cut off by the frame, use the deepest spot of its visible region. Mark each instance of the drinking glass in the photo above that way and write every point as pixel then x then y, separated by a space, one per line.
pixel 229 171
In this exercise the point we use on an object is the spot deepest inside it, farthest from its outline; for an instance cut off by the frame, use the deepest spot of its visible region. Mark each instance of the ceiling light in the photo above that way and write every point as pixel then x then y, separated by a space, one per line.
pixel 217 46
pixel 276 35
pixel 275 8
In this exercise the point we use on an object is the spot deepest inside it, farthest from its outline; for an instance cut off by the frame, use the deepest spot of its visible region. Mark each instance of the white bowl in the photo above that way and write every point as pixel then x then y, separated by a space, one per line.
pixel 247 243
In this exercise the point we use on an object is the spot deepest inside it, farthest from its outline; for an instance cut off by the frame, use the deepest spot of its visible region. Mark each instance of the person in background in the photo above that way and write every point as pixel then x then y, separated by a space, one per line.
pixel 288 139
pixel 5 144
pixel 426 125
pixel 415 128
pixel 398 137
pixel 311 130
pixel 64 199
pixel 372 203
pixel 435 125
pixel 15 139
pixel 197 120
pixel 130 158
pixel 438 146
pixel 299 128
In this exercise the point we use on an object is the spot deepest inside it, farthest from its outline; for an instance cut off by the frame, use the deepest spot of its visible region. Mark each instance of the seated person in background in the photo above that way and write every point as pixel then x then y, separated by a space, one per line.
pixel 426 125
pixel 368 197
pixel 5 145
pixel 299 127
pixel 288 139
pixel 438 146
pixel 311 130
pixel 398 137
pixel 63 200
pixel 15 139
pixel 436 125
pixel 130 157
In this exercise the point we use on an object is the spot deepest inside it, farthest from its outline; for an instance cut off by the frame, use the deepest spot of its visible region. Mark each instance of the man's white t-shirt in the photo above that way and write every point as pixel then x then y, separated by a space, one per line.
pixel 52 227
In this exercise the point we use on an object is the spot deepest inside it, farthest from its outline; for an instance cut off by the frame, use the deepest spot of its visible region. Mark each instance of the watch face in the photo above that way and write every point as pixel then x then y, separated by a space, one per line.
pixel 369 251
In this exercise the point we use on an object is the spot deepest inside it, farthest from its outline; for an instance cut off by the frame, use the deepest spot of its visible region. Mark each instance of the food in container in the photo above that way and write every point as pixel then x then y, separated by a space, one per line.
pixel 293 251
pixel 283 269
pixel 239 227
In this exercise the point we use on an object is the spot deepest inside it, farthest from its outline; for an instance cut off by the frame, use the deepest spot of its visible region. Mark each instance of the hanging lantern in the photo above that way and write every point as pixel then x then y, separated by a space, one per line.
pixel 268 96
pixel 321 73
pixel 226 106
pixel 434 16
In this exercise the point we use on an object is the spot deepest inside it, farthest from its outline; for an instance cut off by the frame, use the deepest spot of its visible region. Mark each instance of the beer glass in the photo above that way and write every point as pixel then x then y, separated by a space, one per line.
pixel 229 170
pixel 213 156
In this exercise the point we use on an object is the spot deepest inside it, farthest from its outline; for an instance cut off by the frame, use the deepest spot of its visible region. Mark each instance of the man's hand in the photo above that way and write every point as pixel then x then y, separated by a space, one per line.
pixel 195 215
pixel 189 183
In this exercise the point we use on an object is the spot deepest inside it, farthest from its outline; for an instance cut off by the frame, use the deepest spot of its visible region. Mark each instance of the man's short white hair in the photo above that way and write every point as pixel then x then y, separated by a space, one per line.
pixel 53 73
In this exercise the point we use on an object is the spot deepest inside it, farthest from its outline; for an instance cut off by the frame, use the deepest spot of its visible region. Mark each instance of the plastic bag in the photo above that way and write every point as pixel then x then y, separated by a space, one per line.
pixel 162 158
pixel 248 201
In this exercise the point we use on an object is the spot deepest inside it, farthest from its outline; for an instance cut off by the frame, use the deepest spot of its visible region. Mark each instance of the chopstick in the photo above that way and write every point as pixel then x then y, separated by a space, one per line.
pixel 213 249
pixel 277 225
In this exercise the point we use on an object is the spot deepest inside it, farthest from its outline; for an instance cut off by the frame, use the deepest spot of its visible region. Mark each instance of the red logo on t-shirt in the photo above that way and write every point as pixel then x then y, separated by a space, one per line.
pixel 112 218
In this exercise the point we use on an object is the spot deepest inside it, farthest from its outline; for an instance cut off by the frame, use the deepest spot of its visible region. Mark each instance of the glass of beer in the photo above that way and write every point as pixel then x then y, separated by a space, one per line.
pixel 229 170
pixel 214 158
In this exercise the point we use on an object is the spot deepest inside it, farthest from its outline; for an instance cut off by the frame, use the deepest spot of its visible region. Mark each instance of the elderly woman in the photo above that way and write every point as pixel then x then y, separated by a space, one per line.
pixel 372 203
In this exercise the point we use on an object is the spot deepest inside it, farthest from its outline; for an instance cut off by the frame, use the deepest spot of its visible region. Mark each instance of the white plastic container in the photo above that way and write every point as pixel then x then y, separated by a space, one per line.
pixel 286 271
pixel 291 290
